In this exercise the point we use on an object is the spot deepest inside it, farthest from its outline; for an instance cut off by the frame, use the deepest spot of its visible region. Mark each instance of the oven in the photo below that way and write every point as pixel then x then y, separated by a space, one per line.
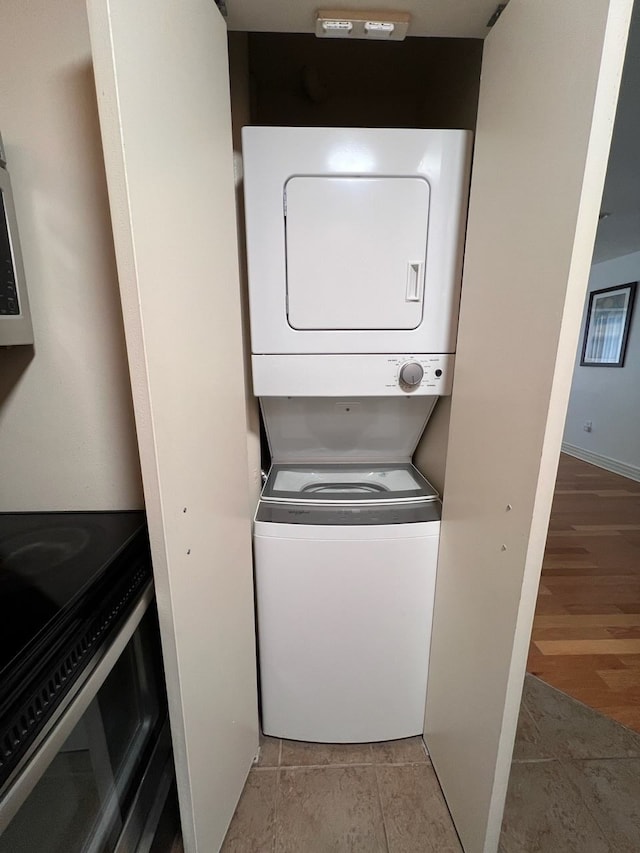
pixel 94 773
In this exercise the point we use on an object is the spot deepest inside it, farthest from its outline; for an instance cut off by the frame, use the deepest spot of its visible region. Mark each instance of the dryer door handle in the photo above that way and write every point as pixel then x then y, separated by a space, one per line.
pixel 414 281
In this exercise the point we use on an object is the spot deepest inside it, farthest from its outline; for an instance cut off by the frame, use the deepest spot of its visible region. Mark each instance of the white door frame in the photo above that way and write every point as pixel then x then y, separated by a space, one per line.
pixel 162 82
pixel 550 78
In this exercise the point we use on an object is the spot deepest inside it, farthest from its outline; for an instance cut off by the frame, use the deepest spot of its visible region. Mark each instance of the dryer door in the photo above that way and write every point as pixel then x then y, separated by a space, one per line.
pixel 345 268
pixel 356 251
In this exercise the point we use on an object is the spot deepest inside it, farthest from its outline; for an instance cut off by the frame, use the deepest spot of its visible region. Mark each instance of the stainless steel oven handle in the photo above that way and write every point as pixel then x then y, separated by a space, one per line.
pixel 29 772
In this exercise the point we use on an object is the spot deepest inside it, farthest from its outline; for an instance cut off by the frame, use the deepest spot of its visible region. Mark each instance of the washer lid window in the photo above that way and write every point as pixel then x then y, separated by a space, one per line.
pixel 355 483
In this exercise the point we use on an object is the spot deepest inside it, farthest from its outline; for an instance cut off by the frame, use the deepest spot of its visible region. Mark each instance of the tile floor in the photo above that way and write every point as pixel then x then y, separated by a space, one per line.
pixel 317 798
pixel 575 779
pixel 574 788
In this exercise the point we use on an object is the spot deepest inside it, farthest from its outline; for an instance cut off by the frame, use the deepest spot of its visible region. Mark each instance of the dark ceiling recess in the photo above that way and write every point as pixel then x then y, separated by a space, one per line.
pixel 221 4
pixel 299 79
pixel 499 10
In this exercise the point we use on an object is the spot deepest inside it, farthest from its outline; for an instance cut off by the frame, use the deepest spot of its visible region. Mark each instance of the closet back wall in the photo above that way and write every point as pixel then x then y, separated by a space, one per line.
pixel 302 80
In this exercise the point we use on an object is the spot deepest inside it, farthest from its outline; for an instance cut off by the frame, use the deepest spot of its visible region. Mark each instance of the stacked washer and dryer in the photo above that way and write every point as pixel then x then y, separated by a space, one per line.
pixel 354 242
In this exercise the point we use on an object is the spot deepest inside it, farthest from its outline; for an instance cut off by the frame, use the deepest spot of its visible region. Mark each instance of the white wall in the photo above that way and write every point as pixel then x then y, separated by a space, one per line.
pixel 241 116
pixel 513 377
pixel 430 457
pixel 609 397
pixel 66 423
pixel 189 399
pixel 619 233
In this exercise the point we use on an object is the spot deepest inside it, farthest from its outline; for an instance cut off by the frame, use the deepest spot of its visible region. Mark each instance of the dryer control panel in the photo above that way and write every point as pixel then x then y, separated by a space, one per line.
pixel 374 375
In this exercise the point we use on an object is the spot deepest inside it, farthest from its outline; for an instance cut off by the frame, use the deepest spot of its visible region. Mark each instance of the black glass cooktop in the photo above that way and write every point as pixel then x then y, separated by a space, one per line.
pixel 67 579
pixel 47 560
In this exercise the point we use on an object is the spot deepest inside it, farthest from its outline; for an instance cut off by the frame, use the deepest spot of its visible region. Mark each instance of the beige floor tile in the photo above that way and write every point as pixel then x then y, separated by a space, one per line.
pixel 529 745
pixel 297 753
pixel 405 751
pixel 252 828
pixel 546 814
pixel 571 730
pixel 611 790
pixel 269 751
pixel 415 815
pixel 326 809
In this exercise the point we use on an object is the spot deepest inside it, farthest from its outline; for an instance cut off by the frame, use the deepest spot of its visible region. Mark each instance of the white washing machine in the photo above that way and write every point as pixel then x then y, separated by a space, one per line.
pixel 345 582
pixel 345 561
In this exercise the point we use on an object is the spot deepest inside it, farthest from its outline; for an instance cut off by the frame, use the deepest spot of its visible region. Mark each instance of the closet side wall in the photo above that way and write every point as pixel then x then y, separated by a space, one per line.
pixel 241 116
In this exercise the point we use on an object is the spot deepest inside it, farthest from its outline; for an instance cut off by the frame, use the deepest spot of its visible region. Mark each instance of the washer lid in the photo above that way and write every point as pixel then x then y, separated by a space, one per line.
pixel 347 483
pixel 345 429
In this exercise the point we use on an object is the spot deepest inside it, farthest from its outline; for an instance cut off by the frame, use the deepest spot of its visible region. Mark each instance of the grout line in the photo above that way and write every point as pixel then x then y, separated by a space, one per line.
pixel 602 758
pixel 351 764
pixel 277 798
pixel 275 811
pixel 384 820
pixel 424 748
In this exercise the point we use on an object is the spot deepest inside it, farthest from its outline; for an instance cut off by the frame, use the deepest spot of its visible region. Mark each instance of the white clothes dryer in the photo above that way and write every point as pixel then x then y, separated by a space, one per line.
pixel 354 250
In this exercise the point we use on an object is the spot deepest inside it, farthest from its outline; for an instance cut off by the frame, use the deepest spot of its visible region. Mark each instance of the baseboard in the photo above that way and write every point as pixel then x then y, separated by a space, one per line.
pixel 630 471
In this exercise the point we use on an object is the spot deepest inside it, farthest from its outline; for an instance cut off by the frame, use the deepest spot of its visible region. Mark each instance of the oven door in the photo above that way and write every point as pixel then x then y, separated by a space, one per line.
pixel 91 785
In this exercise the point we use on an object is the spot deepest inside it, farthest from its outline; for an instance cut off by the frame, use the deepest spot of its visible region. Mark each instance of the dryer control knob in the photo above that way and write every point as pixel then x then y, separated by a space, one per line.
pixel 411 374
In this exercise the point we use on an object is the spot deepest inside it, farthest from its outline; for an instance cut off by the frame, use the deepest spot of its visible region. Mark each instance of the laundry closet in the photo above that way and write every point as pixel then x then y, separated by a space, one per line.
pixel 545 85
pixel 354 239
pixel 416 83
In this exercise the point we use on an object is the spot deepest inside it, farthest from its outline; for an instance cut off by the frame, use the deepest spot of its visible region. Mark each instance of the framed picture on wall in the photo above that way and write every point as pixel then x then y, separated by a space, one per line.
pixel 607 328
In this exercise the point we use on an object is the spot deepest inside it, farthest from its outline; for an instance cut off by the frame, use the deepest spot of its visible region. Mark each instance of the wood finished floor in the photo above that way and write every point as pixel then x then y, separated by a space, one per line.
pixel 586 633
